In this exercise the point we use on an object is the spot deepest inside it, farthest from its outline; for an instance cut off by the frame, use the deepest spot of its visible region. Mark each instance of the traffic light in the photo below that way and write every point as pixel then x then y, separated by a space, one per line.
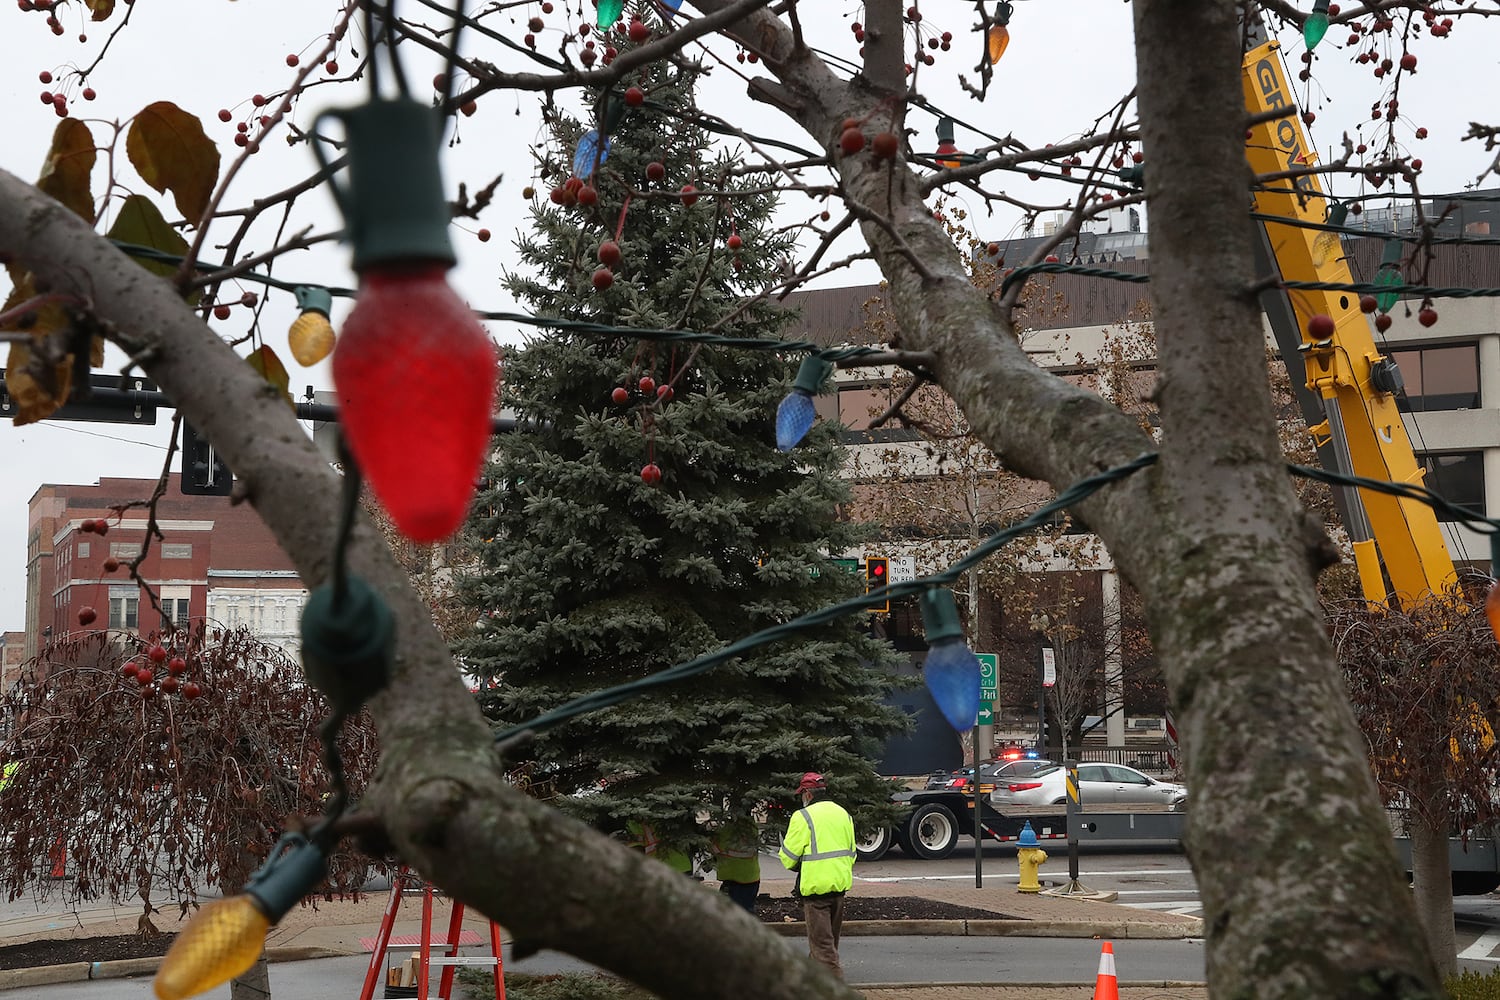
pixel 202 472
pixel 877 575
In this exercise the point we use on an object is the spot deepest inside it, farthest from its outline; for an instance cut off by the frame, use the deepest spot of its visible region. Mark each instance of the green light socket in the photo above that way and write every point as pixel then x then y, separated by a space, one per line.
pixel 393 204
pixel 282 882
pixel 313 298
pixel 347 643
pixel 811 375
pixel 940 616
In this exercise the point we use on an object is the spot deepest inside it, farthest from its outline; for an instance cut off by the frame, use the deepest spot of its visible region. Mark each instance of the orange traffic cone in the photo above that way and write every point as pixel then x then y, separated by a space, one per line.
pixel 1106 986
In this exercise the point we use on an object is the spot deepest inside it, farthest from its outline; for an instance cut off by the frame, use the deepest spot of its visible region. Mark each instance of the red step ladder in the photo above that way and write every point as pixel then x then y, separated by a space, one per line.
pixel 447 961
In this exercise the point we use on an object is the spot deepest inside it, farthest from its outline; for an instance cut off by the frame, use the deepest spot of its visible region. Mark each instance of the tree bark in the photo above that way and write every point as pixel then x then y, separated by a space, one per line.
pixel 254 984
pixel 1432 881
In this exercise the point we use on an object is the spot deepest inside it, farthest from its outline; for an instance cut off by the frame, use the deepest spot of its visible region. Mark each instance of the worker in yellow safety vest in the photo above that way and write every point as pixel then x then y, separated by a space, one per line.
pixel 819 847
pixel 643 838
pixel 736 848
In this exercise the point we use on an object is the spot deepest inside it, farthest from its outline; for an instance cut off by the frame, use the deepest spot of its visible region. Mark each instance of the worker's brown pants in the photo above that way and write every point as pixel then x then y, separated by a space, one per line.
pixel 824 916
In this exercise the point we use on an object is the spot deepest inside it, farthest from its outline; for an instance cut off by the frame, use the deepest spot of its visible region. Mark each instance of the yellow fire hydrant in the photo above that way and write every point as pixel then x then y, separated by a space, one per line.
pixel 1030 855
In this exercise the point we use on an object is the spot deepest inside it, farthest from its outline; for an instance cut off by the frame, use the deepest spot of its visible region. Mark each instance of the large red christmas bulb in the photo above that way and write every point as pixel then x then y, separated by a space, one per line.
pixel 414 369
pixel 415 374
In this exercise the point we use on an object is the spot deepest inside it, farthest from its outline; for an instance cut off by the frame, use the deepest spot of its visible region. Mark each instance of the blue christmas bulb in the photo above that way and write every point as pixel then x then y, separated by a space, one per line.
pixel 952 669
pixel 794 418
pixel 795 415
pixel 952 676
pixel 589 148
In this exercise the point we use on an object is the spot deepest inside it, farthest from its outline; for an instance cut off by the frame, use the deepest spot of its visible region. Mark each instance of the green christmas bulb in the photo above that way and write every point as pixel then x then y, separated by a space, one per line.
pixel 609 13
pixel 1313 29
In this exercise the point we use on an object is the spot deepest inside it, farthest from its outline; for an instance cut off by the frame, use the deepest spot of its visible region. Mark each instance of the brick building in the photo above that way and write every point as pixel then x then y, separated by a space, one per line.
pixel 215 560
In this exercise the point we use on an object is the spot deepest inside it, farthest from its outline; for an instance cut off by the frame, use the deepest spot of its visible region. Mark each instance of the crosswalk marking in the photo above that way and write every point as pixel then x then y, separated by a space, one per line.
pixel 1480 949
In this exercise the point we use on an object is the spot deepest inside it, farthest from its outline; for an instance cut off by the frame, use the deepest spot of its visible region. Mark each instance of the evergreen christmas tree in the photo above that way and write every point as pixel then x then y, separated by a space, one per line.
pixel 653 519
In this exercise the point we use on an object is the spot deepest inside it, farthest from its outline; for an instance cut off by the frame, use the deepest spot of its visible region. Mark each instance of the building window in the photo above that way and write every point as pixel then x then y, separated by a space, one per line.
pixel 83 550
pixel 177 550
pixel 1457 477
pixel 124 611
pixel 1439 378
pixel 124 550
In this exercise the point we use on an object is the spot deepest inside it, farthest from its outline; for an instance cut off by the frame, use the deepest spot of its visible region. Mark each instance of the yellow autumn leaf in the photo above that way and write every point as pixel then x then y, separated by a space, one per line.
pixel 168 148
pixel 264 360
pixel 69 167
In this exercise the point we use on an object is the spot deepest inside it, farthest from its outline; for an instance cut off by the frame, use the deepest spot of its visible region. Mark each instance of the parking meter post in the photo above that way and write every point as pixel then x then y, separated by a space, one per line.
pixel 1073 810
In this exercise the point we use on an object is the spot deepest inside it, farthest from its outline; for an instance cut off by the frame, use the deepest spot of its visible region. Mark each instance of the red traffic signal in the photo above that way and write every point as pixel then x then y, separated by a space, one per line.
pixel 877 575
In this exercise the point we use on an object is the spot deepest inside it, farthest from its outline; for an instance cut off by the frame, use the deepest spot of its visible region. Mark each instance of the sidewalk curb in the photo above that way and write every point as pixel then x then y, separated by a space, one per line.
pixel 1117 929
pixel 126 968
pixel 47 975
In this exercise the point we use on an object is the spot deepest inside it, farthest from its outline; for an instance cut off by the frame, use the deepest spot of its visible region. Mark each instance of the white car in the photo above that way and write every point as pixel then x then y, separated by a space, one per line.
pixel 1105 785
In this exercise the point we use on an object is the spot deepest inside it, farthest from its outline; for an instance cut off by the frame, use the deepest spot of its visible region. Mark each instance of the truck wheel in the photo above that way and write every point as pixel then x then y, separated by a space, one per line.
pixel 933 832
pixel 902 833
pixel 873 845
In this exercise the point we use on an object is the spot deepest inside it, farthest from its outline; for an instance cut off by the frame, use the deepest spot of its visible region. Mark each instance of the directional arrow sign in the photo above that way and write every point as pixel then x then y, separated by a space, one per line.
pixel 986 714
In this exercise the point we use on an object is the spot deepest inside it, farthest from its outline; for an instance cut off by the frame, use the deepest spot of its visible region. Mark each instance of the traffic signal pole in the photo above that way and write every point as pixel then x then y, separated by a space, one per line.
pixel 114 399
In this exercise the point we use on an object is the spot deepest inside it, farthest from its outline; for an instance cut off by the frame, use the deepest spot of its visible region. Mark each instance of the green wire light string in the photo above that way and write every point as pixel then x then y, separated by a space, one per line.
pixel 833 354
pixel 1075 493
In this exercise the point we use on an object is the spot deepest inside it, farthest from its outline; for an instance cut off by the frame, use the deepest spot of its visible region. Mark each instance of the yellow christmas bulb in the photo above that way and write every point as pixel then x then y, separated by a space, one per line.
pixel 1325 247
pixel 310 338
pixel 999 38
pixel 222 942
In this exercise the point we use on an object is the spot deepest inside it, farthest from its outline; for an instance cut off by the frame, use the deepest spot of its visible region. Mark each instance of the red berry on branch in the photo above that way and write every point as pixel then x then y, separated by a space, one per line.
pixel 603 278
pixel 1367 303
pixel 130 669
pixel 1320 327
pixel 292 60
pixel 647 384
pixel 634 96
pixel 169 685
pixel 191 691
pixel 1383 322
pixel 588 195
pixel 484 235
pixel 885 145
pixel 468 108
pixel 651 474
pixel 331 67
pixel 536 24
pixel 1427 316
pixel 176 666
pixel 1409 63
pixel 665 393
pixel 734 242
pixel 111 564
pixel 639 32
pixel 621 395
pixel 851 141
pixel 1138 157
pixel 609 253
pixel 145 676
pixel 1421 133
pixel 655 170
pixel 86 616
pixel 689 194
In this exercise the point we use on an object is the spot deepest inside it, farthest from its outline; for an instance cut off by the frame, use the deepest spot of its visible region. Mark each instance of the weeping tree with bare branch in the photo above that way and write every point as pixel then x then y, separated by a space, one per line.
pixel 1425 690
pixel 155 767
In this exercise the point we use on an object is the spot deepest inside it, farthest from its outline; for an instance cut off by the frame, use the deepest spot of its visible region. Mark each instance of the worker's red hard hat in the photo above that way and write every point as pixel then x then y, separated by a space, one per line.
pixel 811 780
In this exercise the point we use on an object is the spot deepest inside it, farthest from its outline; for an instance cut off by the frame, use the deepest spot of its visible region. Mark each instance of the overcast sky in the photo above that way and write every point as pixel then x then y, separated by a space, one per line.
pixel 1068 62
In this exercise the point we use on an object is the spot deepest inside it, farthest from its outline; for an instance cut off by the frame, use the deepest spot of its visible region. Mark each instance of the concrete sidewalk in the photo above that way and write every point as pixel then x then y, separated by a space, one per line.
pixel 323 929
